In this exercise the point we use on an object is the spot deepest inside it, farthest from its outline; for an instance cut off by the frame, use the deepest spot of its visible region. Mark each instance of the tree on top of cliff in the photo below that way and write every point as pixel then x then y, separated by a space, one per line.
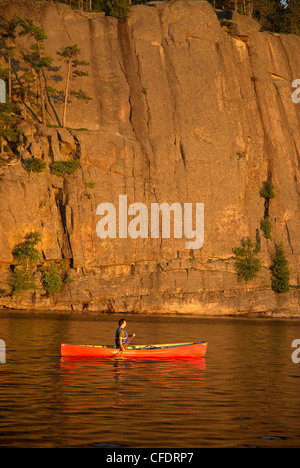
pixel 281 16
pixel 293 16
pixel 69 54
pixel 117 9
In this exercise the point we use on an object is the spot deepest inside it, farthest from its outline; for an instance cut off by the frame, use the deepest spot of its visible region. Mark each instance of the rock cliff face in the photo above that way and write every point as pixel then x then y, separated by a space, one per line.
pixel 182 112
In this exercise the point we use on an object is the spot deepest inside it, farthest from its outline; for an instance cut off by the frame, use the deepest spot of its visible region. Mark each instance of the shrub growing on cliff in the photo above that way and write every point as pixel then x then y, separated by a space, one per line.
pixel 21 280
pixel 228 25
pixel 63 168
pixel 267 190
pixel 36 165
pixel 266 228
pixel 51 278
pixel 9 133
pixel 26 255
pixel 280 271
pixel 247 263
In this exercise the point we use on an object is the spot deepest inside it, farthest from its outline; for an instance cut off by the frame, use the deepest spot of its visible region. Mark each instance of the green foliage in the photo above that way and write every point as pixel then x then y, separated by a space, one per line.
pixel 247 263
pixel 36 165
pixel 29 28
pixel 90 184
pixel 36 64
pixel 8 35
pixel 117 8
pixel 8 129
pixel 69 52
pixel 68 279
pixel 21 280
pixel 35 60
pixel 51 278
pixel 8 28
pixel 280 271
pixel 266 227
pixel 25 253
pixel 69 55
pixel 267 190
pixel 228 25
pixel 81 95
pixel 273 15
pixel 292 17
pixel 63 168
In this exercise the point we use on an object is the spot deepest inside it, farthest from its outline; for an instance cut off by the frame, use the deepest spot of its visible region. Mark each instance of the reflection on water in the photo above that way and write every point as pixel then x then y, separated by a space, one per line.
pixel 244 393
pixel 136 399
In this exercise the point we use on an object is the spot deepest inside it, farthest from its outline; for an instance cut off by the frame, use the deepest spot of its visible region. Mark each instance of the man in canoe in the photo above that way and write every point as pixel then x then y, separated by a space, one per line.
pixel 122 338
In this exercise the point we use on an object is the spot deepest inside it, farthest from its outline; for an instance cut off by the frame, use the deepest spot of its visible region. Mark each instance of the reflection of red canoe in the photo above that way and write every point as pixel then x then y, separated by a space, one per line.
pixel 159 351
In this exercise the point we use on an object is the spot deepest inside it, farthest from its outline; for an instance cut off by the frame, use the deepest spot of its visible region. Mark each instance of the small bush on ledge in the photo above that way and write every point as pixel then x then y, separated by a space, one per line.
pixel 63 168
pixel 35 165
pixel 51 278
pixel 21 280
pixel 26 255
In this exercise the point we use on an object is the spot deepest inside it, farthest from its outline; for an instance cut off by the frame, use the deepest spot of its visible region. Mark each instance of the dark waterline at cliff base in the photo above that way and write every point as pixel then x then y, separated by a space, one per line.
pixel 244 393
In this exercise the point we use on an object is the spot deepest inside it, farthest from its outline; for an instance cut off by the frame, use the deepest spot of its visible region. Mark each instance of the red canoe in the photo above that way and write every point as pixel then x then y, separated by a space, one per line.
pixel 159 351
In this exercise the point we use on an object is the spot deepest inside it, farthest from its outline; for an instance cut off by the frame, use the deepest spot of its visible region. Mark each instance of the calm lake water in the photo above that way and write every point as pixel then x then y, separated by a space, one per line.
pixel 244 393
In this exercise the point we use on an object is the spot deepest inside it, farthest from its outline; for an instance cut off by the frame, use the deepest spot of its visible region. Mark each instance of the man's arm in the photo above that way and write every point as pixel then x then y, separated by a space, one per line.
pixel 121 342
pixel 122 337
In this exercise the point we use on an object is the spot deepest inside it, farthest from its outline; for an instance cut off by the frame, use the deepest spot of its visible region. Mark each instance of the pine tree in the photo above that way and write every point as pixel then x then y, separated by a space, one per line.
pixel 24 92
pixel 8 129
pixel 69 54
pixel 293 16
pixel 8 33
pixel 117 8
pixel 267 192
pixel 36 61
pixel 247 263
pixel 280 271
